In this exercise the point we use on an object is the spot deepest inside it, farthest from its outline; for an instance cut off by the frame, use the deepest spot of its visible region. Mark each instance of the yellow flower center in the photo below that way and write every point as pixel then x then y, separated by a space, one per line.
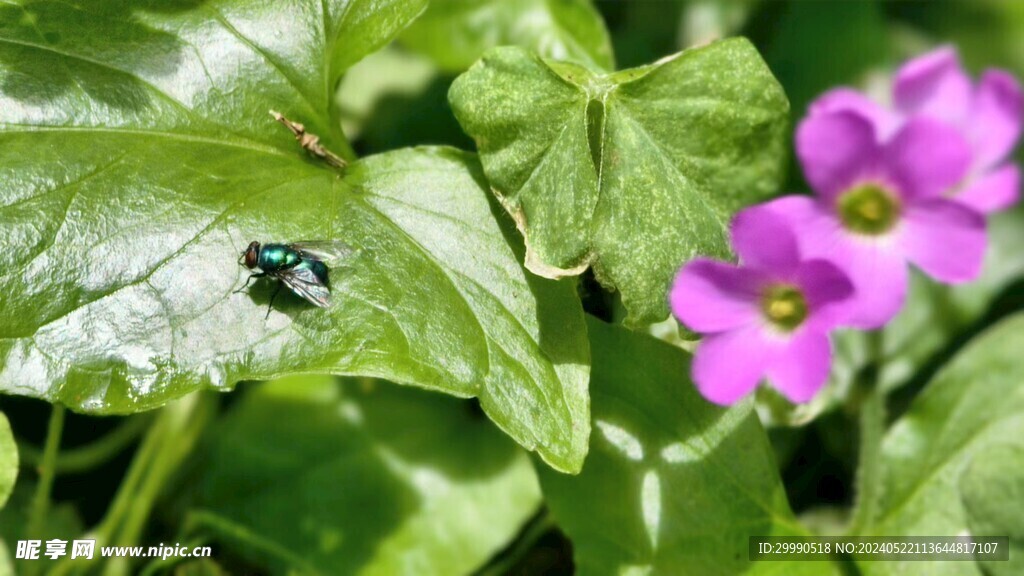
pixel 868 209
pixel 784 306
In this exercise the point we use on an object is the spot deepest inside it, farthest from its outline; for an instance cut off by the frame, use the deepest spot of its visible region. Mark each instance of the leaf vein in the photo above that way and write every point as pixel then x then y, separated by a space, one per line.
pixel 242 143
pixel 219 17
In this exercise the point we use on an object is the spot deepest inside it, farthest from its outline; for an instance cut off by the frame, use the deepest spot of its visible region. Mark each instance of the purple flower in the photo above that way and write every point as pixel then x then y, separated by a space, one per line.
pixel 880 205
pixel 768 317
pixel 988 117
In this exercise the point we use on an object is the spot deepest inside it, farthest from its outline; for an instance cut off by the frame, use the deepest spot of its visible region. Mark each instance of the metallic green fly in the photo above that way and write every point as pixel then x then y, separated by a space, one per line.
pixel 299 266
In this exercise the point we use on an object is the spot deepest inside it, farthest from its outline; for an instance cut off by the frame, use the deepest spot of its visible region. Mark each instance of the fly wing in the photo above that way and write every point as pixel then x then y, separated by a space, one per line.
pixel 306 284
pixel 323 250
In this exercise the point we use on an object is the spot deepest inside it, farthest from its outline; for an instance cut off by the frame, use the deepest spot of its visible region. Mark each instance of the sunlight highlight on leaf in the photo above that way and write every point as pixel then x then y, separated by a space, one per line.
pixel 650 497
pixel 678 484
pixel 624 441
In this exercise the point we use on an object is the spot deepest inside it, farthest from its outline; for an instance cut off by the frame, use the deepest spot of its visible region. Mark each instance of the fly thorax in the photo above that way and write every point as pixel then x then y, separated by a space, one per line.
pixel 275 257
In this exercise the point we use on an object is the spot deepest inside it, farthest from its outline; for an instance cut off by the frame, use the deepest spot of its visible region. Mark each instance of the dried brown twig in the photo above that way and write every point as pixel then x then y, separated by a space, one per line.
pixel 310 142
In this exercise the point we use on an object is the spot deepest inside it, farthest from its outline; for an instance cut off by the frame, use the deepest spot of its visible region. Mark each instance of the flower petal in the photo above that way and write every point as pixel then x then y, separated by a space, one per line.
pixel 845 99
pixel 926 158
pixel 880 281
pixel 763 240
pixel 728 366
pixel 827 288
pixel 835 149
pixel 816 228
pixel 992 192
pixel 879 275
pixel 875 266
pixel 935 85
pixel 711 296
pixel 994 125
pixel 801 368
pixel 944 239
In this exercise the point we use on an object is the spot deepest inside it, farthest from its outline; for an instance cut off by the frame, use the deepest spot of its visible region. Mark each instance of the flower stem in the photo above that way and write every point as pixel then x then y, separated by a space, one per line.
pixel 872 430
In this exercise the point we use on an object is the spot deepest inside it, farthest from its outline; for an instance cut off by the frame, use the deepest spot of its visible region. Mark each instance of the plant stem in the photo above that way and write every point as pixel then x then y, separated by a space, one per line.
pixel 90 456
pixel 167 442
pixel 203 523
pixel 341 144
pixel 36 524
pixel 177 430
pixel 184 422
pixel 144 458
pixel 337 137
pixel 872 430
pixel 47 471
pixel 102 534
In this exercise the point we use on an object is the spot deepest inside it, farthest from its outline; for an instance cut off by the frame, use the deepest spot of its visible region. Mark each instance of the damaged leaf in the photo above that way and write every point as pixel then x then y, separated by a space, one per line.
pixel 633 172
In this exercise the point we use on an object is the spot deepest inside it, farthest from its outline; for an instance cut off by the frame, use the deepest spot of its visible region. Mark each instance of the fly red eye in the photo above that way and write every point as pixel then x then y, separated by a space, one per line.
pixel 252 254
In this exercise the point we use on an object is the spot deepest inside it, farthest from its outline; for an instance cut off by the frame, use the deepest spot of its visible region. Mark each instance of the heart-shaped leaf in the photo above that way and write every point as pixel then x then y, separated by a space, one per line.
pixel 935 457
pixel 633 172
pixel 135 170
pixel 454 33
pixel 365 478
pixel 673 484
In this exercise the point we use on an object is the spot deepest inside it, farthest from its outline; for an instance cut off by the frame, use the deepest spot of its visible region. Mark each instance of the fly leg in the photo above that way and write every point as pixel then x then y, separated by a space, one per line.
pixel 249 279
pixel 271 305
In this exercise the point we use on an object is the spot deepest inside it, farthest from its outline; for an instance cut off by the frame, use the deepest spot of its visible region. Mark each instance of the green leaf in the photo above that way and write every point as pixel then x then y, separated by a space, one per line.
pixel 366 478
pixel 185 71
pixel 992 491
pixel 139 160
pixel 633 173
pixel 941 460
pixel 8 460
pixel 455 33
pixel 673 484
